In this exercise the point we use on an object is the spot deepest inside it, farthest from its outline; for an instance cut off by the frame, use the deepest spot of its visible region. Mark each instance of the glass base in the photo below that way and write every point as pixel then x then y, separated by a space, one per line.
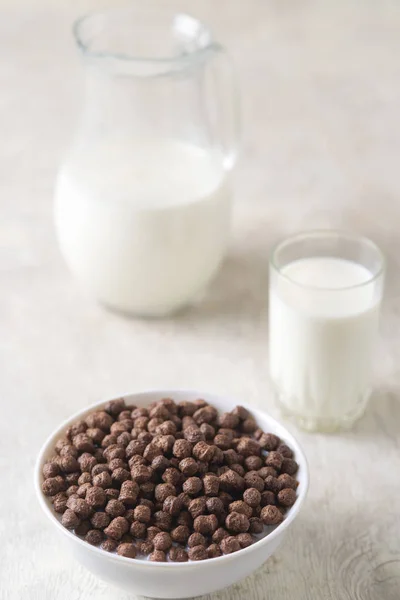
pixel 321 424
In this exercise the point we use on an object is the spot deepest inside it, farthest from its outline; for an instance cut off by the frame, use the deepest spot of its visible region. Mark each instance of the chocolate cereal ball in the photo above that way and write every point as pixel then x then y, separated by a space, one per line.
pixel 265 472
pixel 163 490
pixel 162 541
pixel 85 478
pixel 237 522
pixel 100 520
pixel 272 484
pixel 219 535
pixel 129 492
pixel 197 506
pixel 112 493
pixel 115 508
pixel 256 525
pixel 96 497
pixel 286 481
pixel 172 505
pixel 117 528
pixel 231 457
pixel 127 549
pixel 285 451
pixel 208 431
pixel 287 497
pixel 274 460
pixel 253 480
pixel 138 530
pixel 271 515
pixel 120 475
pixel 96 434
pixel 69 464
pixel 229 544
pixel 83 443
pixel 186 408
pixel 215 506
pixel 241 507
pixel 145 548
pixel 249 425
pixel 108 440
pixel 252 497
pixel 160 463
pixel 71 491
pixel 152 532
pixel 94 537
pixel 182 449
pixel 245 539
pixel 70 520
pixel 115 407
pixel 192 486
pixel 151 452
pixel 188 466
pixel 225 498
pixel 241 412
pixel 142 514
pixel 172 476
pixel 203 451
pixel 193 434
pixel 60 502
pixel 180 534
pixel 211 485
pixel 163 520
pixel 196 539
pixel 83 489
pixel 69 449
pixel 267 497
pixel 52 485
pixel 205 524
pixel 289 466
pixel 80 507
pixel 213 551
pixel 269 441
pixel 158 556
pixel 231 482
pixel 141 473
pixel 253 463
pixel 50 469
pixel 248 447
pixel 178 554
pixel 198 553
pixel 83 528
pixel 102 480
pixel 117 463
pixel 109 545
pixel 228 420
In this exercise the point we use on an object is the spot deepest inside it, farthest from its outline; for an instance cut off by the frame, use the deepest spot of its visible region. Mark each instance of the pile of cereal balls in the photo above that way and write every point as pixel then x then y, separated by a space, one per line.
pixel 173 481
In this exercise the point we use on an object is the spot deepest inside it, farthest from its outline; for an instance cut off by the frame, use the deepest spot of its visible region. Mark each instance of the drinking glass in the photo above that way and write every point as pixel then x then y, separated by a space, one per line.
pixel 325 295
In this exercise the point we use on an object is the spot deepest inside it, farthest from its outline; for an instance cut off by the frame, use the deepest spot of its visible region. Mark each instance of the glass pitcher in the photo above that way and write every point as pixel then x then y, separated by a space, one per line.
pixel 143 201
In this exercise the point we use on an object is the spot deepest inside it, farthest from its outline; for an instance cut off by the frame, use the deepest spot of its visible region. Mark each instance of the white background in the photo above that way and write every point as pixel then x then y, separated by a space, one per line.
pixel 321 100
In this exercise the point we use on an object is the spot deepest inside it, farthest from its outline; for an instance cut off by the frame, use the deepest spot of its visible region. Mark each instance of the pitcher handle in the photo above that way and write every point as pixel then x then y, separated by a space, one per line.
pixel 225 110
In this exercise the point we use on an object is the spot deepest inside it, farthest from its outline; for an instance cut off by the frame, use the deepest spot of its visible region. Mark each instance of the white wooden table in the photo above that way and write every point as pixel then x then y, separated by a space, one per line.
pixel 321 102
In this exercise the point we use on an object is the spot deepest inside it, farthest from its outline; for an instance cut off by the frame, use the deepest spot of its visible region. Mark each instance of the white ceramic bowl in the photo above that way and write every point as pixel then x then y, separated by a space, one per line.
pixel 176 580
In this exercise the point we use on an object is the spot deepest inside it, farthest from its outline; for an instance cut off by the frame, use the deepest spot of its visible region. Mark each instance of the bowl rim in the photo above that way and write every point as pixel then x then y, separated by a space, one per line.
pixel 164 393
